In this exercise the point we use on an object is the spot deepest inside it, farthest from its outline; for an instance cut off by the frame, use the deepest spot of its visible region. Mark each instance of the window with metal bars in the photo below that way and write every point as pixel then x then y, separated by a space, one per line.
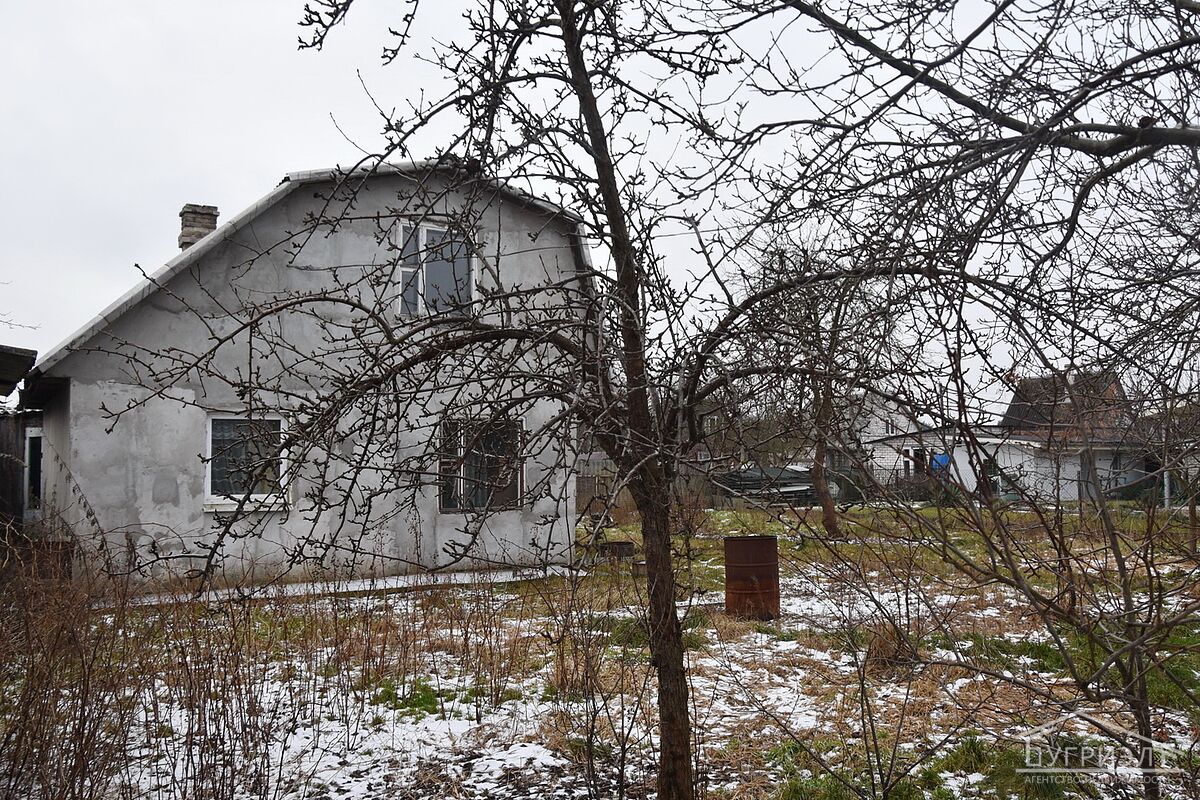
pixel 244 457
pixel 481 465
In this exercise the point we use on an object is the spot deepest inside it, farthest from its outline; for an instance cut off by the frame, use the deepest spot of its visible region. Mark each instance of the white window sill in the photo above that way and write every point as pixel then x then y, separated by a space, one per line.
pixel 255 505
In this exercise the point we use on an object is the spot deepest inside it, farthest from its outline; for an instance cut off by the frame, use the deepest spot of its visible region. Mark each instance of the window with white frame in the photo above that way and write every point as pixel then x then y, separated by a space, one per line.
pixel 33 469
pixel 245 457
pixel 435 272
pixel 481 465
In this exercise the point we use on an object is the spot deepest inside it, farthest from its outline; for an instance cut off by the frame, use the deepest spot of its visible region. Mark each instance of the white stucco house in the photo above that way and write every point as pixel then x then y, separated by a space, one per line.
pixel 165 486
pixel 1060 439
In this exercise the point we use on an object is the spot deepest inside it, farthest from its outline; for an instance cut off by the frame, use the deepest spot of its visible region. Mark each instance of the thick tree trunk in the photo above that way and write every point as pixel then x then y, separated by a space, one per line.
pixel 1193 516
pixel 666 650
pixel 1193 523
pixel 829 515
pixel 820 481
pixel 649 479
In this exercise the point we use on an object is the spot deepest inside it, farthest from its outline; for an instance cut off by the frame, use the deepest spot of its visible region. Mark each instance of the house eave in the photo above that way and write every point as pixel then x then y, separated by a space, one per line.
pixel 421 168
pixel 160 277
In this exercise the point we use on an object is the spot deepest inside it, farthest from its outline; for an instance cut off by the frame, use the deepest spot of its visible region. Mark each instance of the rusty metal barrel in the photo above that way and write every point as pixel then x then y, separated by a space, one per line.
pixel 752 577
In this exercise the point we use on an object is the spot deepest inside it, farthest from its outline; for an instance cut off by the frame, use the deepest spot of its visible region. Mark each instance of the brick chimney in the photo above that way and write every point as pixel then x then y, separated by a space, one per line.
pixel 196 223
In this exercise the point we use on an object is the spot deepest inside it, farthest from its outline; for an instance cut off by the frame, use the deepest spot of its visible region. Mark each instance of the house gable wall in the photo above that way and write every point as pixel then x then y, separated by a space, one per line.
pixel 144 476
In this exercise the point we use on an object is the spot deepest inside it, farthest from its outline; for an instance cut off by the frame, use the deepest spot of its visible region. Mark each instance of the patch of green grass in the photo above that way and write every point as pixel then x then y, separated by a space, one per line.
pixel 829 787
pixel 629 633
pixel 822 769
pixel 581 749
pixel 276 627
pixel 802 760
pixel 708 576
pixel 551 693
pixel 694 626
pixel 968 756
pixel 1171 681
pixel 632 634
pixel 929 778
pixel 479 693
pixel 776 633
pixel 510 695
pixel 906 789
pixel 1002 779
pixel 1007 654
pixel 1173 684
pixel 420 699
pixel 824 787
pixel 1175 679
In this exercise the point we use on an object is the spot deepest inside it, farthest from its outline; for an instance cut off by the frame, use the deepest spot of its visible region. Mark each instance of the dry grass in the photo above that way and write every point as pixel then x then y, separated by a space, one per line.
pixel 207 690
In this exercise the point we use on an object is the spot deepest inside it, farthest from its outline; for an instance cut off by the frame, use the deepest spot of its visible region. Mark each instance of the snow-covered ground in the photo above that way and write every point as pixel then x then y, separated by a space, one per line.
pixel 543 688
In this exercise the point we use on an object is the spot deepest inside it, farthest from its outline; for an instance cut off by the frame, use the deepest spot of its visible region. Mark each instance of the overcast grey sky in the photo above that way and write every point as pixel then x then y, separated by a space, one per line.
pixel 116 114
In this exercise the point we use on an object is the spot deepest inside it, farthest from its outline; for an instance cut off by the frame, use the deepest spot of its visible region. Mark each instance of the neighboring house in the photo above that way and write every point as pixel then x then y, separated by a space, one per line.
pixel 1066 437
pixel 1059 438
pixel 906 460
pixel 157 486
pixel 880 446
pixel 1172 456
pixel 15 362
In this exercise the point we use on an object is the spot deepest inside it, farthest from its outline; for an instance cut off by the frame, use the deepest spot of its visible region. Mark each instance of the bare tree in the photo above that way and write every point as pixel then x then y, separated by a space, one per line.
pixel 543 95
pixel 1040 163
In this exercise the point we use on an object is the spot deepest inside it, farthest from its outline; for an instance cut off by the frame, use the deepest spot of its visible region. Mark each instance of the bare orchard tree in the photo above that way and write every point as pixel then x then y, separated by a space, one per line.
pixel 1058 514
pixel 1040 162
pixel 587 102
pixel 848 347
pixel 553 96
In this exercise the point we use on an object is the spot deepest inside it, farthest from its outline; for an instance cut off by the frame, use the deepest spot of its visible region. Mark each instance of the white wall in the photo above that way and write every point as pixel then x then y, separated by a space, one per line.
pixel 1048 475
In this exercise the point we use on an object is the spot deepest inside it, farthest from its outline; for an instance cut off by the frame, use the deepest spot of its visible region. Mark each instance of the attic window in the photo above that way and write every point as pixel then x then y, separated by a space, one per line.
pixel 435 270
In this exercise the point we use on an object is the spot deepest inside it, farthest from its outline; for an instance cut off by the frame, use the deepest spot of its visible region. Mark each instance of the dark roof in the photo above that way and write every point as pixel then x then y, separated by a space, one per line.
pixel 14 363
pixel 1094 400
pixel 759 478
